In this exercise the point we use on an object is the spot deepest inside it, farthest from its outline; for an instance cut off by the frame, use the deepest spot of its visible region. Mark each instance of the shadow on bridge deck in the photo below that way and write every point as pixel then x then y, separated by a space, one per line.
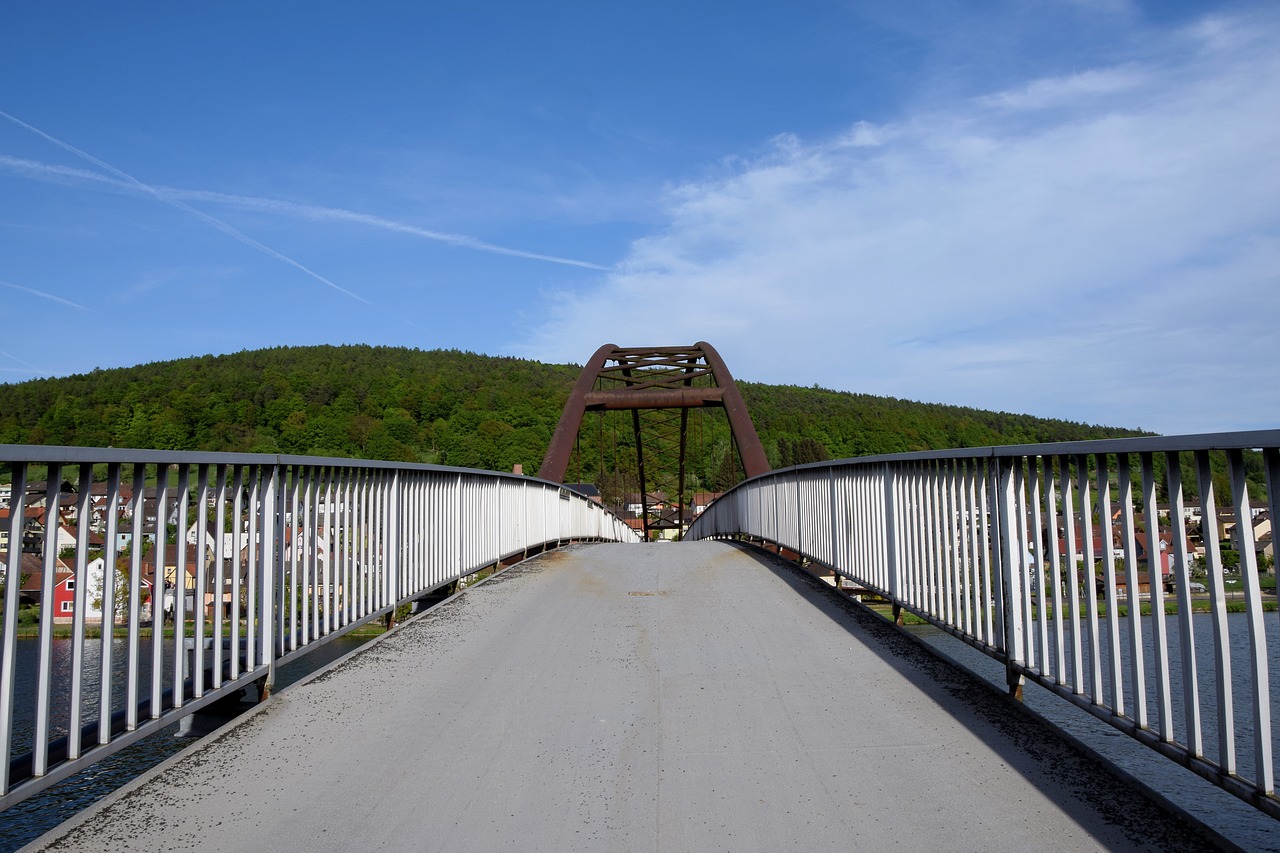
pixel 698 696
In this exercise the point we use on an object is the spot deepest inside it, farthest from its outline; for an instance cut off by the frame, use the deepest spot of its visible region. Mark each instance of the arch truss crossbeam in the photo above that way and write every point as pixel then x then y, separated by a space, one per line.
pixel 650 378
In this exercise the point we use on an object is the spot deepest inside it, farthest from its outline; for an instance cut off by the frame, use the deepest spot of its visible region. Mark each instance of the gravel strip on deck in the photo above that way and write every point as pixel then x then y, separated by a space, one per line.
pixel 665 697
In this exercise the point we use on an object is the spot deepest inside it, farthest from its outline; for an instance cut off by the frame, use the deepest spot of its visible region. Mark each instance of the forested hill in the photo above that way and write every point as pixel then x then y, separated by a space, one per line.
pixel 447 407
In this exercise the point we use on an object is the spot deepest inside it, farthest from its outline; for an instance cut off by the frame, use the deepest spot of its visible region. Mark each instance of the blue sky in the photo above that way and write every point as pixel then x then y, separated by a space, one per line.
pixel 1068 208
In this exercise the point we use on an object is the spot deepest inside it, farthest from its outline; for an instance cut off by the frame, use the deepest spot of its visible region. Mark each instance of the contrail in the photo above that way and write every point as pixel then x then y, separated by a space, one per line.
pixel 336 213
pixel 43 295
pixel 308 211
pixel 154 192
pixel 36 169
pixel 20 361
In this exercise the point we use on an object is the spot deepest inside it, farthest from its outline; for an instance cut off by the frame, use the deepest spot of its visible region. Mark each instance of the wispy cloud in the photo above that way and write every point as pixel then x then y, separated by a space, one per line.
pixel 1106 7
pixel 43 295
pixel 1084 87
pixel 319 213
pixel 1106 236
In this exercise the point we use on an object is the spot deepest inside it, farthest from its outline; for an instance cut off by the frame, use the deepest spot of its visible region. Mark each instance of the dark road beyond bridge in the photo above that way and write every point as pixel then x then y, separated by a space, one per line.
pixel 695 696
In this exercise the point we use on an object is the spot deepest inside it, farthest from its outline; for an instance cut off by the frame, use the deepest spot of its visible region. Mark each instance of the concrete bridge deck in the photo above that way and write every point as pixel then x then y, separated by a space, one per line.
pixel 665 697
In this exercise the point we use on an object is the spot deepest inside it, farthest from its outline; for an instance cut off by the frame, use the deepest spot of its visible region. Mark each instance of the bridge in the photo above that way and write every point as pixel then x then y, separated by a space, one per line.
pixel 599 693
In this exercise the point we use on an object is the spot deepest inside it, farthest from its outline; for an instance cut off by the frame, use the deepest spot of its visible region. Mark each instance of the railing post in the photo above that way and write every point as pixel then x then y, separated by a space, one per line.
pixel 273 534
pixel 158 552
pixel 12 585
pixel 44 665
pixel 799 487
pixel 497 524
pixel 831 521
pixel 459 553
pixel 1010 572
pixel 135 596
pixel 777 516
pixel 891 540
pixel 1259 678
pixel 393 545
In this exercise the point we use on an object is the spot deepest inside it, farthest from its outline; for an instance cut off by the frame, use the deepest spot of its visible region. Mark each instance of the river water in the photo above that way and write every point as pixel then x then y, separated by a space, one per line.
pixel 27 820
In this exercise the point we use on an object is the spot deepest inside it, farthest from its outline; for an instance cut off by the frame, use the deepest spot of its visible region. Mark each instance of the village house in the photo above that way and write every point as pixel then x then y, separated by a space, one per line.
pixel 31 591
pixel 64 538
pixel 32 527
pixel 700 501
pixel 587 490
pixel 657 501
pixel 178 575
pixel 211 536
pixel 1122 584
pixel 1164 548
pixel 1257 537
pixel 95 592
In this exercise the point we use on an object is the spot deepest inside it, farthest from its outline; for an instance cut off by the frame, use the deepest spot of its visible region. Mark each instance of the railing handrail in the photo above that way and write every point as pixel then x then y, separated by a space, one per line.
pixel 74 455
pixel 1240 440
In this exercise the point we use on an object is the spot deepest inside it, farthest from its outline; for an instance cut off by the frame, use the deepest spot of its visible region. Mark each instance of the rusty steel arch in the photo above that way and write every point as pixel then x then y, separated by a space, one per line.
pixel 640 378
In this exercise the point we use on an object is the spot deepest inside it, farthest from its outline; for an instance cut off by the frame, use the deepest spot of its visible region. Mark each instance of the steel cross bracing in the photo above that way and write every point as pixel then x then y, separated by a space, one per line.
pixel 651 382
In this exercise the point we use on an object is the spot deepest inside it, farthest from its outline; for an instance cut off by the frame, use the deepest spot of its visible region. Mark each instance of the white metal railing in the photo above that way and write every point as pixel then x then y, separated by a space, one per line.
pixel 1030 553
pixel 259 559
